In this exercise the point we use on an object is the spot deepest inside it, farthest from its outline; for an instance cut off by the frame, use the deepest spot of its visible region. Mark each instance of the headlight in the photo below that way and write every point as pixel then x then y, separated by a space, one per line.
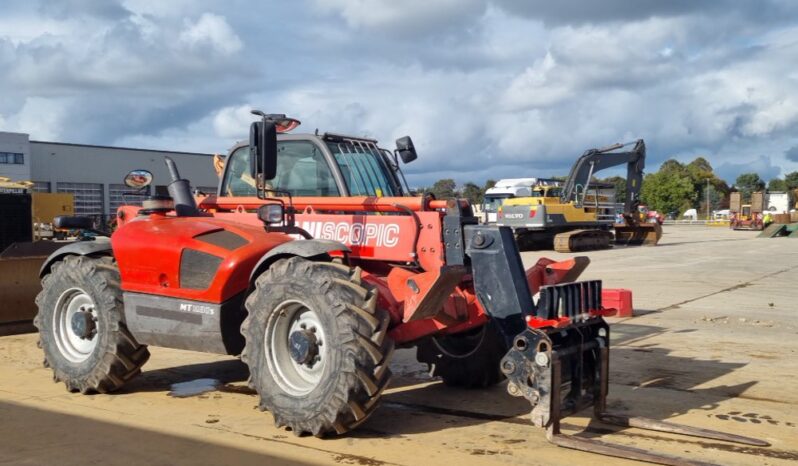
pixel 271 214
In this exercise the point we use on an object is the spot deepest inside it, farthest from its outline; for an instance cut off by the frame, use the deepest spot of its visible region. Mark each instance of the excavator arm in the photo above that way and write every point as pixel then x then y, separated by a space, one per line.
pixel 594 160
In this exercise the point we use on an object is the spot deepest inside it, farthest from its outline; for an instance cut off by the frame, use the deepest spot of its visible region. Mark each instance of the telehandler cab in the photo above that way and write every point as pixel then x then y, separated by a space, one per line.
pixel 315 292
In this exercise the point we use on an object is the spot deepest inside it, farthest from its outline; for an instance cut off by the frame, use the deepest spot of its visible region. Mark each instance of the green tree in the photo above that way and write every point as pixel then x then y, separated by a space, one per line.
pixel 444 189
pixel 620 186
pixel 703 177
pixel 668 190
pixel 747 183
pixel 674 166
pixel 700 167
pixel 777 185
pixel 473 193
pixel 488 184
pixel 699 171
pixel 791 180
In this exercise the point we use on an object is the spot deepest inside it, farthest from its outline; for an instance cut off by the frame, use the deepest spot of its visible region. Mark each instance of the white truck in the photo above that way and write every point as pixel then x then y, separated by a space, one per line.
pixel 778 202
pixel 506 189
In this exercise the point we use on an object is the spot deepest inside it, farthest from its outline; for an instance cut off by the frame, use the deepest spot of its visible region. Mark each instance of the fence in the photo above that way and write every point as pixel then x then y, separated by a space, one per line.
pixel 708 223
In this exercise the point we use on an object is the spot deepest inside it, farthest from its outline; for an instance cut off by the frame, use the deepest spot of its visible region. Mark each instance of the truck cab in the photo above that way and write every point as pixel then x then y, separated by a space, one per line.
pixel 510 188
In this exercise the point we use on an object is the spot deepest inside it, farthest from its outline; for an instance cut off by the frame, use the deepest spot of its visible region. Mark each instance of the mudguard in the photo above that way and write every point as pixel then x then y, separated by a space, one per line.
pixel 79 248
pixel 302 248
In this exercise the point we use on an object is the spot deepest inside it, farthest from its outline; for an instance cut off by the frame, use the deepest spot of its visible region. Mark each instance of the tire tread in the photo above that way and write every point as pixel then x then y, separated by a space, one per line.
pixel 123 358
pixel 359 384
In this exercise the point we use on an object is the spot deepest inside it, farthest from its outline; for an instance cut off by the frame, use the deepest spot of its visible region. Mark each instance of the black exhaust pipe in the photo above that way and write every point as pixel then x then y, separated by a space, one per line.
pixel 180 192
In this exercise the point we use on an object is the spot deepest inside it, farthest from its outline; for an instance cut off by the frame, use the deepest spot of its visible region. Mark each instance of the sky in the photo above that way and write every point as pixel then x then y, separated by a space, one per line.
pixel 486 88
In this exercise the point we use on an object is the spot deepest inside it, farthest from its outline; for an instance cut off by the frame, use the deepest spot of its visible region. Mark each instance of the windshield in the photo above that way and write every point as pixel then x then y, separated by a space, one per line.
pixel 302 170
pixel 553 192
pixel 492 203
pixel 364 169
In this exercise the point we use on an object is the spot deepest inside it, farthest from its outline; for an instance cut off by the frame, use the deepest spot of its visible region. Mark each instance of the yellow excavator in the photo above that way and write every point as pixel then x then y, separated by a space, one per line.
pixel 577 216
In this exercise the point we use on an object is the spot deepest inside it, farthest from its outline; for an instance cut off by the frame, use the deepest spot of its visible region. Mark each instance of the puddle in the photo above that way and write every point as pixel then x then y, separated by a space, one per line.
pixel 194 387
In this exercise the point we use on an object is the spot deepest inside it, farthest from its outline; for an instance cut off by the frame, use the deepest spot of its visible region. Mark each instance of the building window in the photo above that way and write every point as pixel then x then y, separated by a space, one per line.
pixel 14 158
pixel 120 195
pixel 41 186
pixel 88 197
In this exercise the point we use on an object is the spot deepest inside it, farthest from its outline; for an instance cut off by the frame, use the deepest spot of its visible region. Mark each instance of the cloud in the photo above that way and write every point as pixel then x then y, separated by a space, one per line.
pixel 43 117
pixel 126 75
pixel 212 32
pixel 404 18
pixel 486 88
pixel 104 9
pixel 608 11
pixel 761 165
pixel 233 122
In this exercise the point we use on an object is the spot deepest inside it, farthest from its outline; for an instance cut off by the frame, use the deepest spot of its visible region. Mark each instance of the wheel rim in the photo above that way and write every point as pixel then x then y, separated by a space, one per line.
pixel 460 346
pixel 291 376
pixel 74 347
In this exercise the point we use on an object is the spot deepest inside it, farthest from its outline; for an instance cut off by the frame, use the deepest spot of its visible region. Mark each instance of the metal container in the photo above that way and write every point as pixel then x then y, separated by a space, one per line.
pixel 757 202
pixel 735 201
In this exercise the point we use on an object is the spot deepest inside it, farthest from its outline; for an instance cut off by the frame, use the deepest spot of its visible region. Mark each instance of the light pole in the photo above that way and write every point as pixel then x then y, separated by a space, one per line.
pixel 708 208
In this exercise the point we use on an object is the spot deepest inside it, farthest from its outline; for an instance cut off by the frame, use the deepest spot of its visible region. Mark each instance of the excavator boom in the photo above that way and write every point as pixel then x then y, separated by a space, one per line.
pixel 634 230
pixel 577 220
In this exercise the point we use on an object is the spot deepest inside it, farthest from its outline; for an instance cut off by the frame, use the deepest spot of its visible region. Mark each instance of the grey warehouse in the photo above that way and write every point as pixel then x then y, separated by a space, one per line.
pixel 93 174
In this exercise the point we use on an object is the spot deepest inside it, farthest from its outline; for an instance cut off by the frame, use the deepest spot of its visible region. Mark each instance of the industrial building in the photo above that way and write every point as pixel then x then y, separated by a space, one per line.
pixel 94 174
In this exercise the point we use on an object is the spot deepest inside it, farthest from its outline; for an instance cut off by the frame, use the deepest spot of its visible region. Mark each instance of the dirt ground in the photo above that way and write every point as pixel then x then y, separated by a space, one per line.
pixel 714 344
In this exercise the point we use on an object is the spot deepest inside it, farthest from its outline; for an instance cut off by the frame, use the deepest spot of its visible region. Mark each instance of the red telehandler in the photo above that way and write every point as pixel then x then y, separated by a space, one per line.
pixel 312 266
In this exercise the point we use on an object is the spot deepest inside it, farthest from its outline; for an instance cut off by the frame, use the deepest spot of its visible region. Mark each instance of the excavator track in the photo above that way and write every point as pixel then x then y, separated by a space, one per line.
pixel 582 240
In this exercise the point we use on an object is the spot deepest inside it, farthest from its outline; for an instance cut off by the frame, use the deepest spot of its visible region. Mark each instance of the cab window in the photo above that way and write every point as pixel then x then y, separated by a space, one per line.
pixel 554 192
pixel 492 203
pixel 302 170
pixel 364 169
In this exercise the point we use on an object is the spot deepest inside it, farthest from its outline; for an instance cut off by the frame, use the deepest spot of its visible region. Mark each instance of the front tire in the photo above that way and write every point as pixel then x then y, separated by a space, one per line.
pixel 82 329
pixel 469 360
pixel 316 346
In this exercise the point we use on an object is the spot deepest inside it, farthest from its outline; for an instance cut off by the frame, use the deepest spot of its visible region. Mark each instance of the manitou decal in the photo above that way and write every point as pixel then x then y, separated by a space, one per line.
pixel 355 234
pixel 196 309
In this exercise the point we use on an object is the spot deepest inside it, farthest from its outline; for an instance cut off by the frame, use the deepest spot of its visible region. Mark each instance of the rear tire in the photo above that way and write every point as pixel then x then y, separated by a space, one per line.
pixel 99 354
pixel 469 360
pixel 335 385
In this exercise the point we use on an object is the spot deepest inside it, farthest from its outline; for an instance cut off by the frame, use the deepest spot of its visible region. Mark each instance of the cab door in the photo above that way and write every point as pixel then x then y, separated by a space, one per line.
pixel 304 169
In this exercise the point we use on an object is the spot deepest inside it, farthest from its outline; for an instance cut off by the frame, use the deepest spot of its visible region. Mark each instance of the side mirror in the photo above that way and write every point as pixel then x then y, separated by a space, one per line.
pixel 406 149
pixel 138 179
pixel 263 150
